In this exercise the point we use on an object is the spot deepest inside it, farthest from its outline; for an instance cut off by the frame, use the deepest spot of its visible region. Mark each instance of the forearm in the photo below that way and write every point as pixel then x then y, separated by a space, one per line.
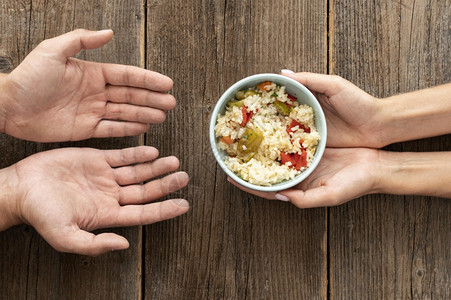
pixel 416 115
pixel 408 173
pixel 8 190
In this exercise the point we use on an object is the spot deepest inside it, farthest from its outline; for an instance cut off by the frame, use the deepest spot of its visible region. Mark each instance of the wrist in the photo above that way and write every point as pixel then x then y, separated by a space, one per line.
pixel 408 173
pixel 378 131
pixel 371 160
pixel 8 198
pixel 388 122
pixel 395 116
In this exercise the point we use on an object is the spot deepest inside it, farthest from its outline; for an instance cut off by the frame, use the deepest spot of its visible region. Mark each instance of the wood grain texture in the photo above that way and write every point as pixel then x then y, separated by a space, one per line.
pixel 385 246
pixel 29 267
pixel 230 245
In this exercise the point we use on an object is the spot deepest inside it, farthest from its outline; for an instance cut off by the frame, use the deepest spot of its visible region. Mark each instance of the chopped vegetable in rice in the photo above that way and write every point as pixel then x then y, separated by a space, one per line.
pixel 268 135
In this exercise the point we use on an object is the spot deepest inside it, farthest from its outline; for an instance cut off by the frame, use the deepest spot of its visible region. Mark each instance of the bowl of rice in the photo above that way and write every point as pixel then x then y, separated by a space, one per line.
pixel 268 132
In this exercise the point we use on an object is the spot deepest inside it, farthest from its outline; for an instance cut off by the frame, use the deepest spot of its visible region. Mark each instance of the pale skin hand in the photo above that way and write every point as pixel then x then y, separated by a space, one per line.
pixel 66 193
pixel 53 97
pixel 356 119
pixel 352 118
pixel 348 173
pixel 342 175
pixel 352 115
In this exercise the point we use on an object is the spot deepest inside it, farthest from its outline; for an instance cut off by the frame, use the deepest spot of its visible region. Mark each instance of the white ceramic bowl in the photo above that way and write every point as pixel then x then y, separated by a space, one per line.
pixel 294 88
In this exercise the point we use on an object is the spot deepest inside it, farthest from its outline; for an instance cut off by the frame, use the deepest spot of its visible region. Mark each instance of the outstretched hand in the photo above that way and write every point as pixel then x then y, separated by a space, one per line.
pixel 66 193
pixel 357 123
pixel 53 97
pixel 352 115
pixel 342 175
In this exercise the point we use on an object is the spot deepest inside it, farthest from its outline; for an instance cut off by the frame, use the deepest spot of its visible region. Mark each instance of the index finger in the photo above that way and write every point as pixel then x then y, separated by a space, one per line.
pixel 321 196
pixel 320 83
pixel 124 75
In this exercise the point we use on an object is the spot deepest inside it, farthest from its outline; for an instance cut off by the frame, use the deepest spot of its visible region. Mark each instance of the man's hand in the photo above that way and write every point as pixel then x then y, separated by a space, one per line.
pixel 52 97
pixel 66 193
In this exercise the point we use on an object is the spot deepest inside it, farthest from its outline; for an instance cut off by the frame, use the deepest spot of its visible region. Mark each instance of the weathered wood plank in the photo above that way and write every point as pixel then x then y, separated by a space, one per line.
pixel 30 268
pixel 385 246
pixel 230 245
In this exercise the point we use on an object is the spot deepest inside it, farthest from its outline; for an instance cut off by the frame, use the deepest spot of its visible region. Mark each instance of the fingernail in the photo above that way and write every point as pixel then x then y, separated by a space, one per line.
pixel 181 202
pixel 287 71
pixel 282 197
pixel 229 180
pixel 104 30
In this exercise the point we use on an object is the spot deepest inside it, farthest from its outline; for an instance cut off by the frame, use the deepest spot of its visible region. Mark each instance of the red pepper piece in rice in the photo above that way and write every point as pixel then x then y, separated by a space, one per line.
pixel 295 123
pixel 246 116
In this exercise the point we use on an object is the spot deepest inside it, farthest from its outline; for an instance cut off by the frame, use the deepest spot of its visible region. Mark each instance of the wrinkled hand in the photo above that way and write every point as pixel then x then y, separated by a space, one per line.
pixel 66 193
pixel 53 97
pixel 342 175
pixel 351 114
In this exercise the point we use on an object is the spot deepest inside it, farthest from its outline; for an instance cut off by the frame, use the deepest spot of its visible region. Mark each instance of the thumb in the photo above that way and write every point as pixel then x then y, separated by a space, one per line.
pixel 71 43
pixel 86 243
pixel 320 83
pixel 315 197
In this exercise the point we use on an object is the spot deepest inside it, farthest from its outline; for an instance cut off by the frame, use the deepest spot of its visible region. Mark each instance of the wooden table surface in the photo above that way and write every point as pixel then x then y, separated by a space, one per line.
pixel 232 245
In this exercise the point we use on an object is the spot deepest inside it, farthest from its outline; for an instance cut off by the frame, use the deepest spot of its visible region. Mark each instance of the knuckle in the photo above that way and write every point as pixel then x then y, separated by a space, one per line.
pixel 114 110
pixel 164 186
pixel 128 95
pixel 77 30
pixel 135 154
pixel 336 79
pixel 44 45
pixel 126 74
pixel 122 156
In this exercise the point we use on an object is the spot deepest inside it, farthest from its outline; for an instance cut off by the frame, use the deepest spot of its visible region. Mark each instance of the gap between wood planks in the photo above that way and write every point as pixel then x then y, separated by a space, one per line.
pixel 142 142
pixel 329 35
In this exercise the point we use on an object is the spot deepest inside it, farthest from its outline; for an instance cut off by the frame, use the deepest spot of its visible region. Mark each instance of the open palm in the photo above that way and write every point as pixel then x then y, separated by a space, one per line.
pixel 54 97
pixel 66 193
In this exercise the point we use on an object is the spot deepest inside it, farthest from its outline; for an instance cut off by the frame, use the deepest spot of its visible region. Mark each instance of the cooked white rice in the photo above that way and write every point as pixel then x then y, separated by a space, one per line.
pixel 265 168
